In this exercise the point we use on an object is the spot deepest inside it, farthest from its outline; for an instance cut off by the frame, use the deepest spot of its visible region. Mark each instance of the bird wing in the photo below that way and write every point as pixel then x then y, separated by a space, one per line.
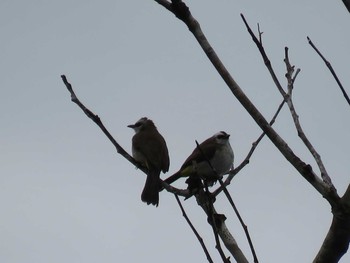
pixel 204 152
pixel 153 149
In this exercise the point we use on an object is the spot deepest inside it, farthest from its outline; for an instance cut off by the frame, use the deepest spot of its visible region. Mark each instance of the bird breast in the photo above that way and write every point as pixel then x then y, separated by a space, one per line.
pixel 222 162
pixel 223 159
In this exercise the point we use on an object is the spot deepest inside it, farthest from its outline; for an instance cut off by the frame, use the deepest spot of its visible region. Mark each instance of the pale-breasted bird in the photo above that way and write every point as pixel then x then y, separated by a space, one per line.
pixel 215 150
pixel 150 150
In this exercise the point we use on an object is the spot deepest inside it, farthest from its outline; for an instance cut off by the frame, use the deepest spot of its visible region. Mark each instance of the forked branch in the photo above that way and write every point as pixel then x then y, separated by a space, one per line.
pixel 290 80
pixel 183 13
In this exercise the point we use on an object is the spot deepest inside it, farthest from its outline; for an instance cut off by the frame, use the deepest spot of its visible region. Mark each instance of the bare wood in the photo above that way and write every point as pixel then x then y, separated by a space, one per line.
pixel 329 66
pixel 246 160
pixel 200 239
pixel 291 79
pixel 95 118
pixel 220 226
pixel 183 13
pixel 229 198
pixel 328 192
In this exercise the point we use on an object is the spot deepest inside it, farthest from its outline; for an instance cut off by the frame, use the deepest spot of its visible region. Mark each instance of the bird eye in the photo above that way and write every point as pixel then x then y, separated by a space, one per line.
pixel 222 135
pixel 138 124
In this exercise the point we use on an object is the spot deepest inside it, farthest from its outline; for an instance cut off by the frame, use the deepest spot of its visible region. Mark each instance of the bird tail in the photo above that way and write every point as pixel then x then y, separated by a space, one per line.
pixel 150 193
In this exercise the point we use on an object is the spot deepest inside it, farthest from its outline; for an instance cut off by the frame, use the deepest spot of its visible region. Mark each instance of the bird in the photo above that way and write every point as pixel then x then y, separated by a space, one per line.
pixel 150 150
pixel 209 161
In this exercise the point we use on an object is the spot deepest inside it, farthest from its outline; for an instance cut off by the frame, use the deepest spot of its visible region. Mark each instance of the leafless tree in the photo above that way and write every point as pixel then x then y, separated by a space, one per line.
pixel 337 239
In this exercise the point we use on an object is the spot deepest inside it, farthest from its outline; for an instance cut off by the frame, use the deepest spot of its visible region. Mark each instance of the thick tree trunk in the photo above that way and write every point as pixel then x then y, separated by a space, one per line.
pixel 336 243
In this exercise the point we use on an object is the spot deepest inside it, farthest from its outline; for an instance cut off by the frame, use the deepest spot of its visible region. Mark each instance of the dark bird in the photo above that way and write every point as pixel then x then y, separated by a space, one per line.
pixel 150 150
pixel 215 150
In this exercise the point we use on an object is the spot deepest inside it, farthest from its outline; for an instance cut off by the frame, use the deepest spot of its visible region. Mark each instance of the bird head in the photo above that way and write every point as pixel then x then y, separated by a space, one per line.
pixel 142 124
pixel 221 137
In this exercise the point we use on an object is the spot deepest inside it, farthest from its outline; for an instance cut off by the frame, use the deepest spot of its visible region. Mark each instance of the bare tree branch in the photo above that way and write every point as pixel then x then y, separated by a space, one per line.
pixel 301 134
pixel 328 192
pixel 213 216
pixel 337 240
pixel 267 62
pixel 179 192
pixel 95 118
pixel 245 228
pixel 329 66
pixel 346 197
pixel 347 4
pixel 246 160
pixel 228 196
pixel 200 239
pixel 326 179
pixel 214 222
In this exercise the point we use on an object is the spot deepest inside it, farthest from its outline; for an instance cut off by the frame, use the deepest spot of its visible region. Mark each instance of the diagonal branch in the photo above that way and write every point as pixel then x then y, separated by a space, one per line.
pixel 347 4
pixel 222 230
pixel 182 12
pixel 301 134
pixel 329 66
pixel 200 239
pixel 328 187
pixel 244 226
pixel 228 196
pixel 246 160
pixel 95 118
pixel 267 62
pixel 214 222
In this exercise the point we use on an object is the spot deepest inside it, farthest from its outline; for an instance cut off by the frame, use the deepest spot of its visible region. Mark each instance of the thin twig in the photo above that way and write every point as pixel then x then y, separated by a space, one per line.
pixel 267 62
pixel 180 192
pixel 95 118
pixel 246 160
pixel 329 66
pixel 325 178
pixel 260 34
pixel 200 239
pixel 290 79
pixel 245 228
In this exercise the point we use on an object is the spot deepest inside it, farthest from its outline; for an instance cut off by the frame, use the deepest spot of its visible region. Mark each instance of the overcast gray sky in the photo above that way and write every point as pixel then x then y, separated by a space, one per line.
pixel 67 196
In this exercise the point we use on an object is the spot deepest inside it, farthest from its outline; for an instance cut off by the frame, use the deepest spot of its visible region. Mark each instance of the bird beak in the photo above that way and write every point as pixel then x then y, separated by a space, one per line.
pixel 225 135
pixel 132 126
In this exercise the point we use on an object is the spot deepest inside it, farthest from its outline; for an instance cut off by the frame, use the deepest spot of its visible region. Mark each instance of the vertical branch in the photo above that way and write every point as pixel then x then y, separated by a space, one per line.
pixel 301 134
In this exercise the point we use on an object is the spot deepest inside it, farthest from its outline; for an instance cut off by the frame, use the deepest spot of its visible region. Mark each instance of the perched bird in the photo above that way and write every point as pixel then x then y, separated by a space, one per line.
pixel 150 150
pixel 215 150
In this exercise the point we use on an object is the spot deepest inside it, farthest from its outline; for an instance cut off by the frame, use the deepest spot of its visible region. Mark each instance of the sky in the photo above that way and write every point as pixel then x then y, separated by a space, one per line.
pixel 66 195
